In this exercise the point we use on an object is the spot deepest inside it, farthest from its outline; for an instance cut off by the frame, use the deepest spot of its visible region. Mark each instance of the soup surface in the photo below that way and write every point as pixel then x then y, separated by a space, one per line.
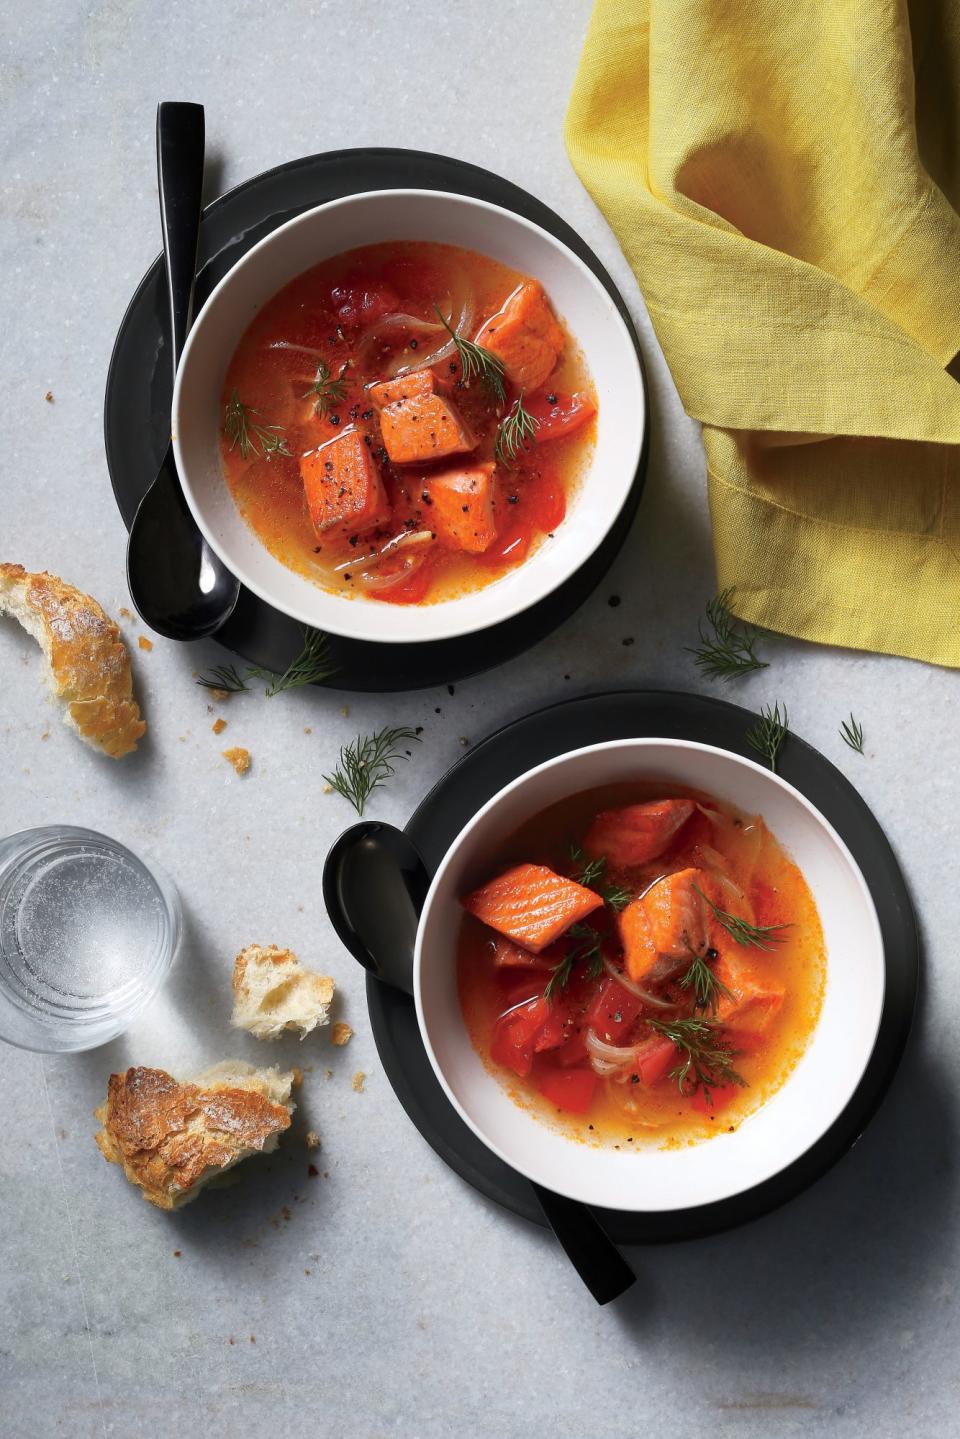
pixel 642 966
pixel 406 422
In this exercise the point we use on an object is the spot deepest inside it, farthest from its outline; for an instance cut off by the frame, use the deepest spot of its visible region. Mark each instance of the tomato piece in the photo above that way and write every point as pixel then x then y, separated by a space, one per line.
pixel 409 591
pixel 656 1061
pixel 613 1011
pixel 503 1050
pixel 510 547
pixel 544 501
pixel 527 1020
pixel 569 1089
pixel 573 1051
pixel 719 1097
pixel 560 414
pixel 552 1032
pixel 360 300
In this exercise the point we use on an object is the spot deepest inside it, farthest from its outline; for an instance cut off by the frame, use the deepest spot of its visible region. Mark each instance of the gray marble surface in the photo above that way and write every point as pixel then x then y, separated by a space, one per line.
pixel 386 1297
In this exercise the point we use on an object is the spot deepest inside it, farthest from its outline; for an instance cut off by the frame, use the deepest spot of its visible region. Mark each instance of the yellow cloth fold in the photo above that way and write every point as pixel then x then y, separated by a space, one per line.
pixel 783 179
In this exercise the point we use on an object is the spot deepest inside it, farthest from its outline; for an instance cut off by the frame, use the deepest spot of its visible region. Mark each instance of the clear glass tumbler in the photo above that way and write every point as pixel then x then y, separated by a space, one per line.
pixel 88 933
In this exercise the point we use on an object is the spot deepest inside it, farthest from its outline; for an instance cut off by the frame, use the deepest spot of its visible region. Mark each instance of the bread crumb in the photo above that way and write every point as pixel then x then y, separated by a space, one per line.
pixel 239 758
pixel 297 1076
pixel 328 1074
pixel 341 1034
pixel 327 789
pixel 231 1340
pixel 144 643
pixel 464 741
pixel 346 711
pixel 126 614
pixel 312 1139
pixel 176 1254
pixel 358 1081
pixel 253 1339
pixel 219 694
pixel 49 397
pixel 46 734
pixel 313 1171
pixel 307 729
pixel 219 726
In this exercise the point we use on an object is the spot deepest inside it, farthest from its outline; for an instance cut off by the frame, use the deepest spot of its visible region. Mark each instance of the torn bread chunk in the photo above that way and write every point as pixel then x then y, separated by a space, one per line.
pixel 172 1138
pixel 273 992
pixel 88 666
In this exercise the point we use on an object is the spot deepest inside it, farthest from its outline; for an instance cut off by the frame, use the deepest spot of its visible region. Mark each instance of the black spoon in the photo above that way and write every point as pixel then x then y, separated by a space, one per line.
pixel 374 886
pixel 179 586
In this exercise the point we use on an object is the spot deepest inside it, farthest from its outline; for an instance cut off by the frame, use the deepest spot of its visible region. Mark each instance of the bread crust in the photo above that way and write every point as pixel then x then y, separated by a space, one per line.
pixel 88 663
pixel 171 1138
pixel 273 992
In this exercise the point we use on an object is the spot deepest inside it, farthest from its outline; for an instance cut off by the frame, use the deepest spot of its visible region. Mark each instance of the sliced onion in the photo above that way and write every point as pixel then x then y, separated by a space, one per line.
pixel 297 349
pixel 400 365
pixel 651 999
pixel 614 1055
pixel 716 865
pixel 374 581
pixel 416 543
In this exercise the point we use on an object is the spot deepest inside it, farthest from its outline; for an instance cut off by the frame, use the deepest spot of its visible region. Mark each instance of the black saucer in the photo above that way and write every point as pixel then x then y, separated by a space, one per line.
pixel 530 741
pixel 137 406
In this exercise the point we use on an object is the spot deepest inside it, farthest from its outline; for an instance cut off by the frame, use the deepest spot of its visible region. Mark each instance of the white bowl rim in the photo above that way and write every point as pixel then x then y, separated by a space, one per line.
pixel 514 1161
pixel 451 628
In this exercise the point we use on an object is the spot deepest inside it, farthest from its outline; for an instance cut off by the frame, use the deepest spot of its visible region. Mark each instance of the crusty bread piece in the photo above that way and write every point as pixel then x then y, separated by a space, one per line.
pixel 273 992
pixel 87 661
pixel 172 1138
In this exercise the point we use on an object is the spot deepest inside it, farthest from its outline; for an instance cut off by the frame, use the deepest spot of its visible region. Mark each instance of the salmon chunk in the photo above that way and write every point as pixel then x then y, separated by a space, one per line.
pixel 461 507
pixel 531 905
pixel 756 996
pixel 391 392
pixel 507 955
pixel 524 336
pixel 417 422
pixel 638 833
pixel 342 485
pixel 664 928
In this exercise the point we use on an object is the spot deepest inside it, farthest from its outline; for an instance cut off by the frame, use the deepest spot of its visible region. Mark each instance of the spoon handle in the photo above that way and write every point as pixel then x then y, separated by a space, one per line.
pixel 180 144
pixel 586 1244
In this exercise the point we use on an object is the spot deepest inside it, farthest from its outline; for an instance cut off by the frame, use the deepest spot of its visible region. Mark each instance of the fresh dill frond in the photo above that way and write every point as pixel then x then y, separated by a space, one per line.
pixel 852 734
pixel 751 936
pixel 707 987
pixel 726 647
pixel 227 677
pixel 590 872
pixel 326 390
pixel 246 432
pixel 583 945
pixel 769 733
pixel 517 431
pixel 309 667
pixel 368 762
pixel 704 1058
pixel 476 362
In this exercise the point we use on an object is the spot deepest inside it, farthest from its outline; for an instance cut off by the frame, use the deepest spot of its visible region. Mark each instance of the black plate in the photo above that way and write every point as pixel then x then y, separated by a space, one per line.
pixel 139 391
pixel 629 714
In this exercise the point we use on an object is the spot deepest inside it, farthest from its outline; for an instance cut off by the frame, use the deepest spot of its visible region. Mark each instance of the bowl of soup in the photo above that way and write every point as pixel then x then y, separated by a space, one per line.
pixel 649 975
pixel 407 415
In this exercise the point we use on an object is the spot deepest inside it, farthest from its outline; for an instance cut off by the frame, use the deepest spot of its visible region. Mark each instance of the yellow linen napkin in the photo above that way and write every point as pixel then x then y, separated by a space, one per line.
pixel 784 189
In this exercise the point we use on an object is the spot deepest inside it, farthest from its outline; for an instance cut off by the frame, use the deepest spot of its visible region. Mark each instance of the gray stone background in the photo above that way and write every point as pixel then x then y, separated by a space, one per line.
pixel 393 1300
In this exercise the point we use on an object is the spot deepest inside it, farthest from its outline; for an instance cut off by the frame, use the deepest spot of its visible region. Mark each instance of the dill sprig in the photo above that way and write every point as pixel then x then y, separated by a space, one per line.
pixel 751 936
pixel 704 1057
pixel 584 945
pixel 227 677
pixel 590 874
pixel 707 987
pixel 769 733
pixel 309 667
pixel 852 734
pixel 243 430
pixel 726 647
pixel 326 390
pixel 476 362
pixel 517 431
pixel 368 763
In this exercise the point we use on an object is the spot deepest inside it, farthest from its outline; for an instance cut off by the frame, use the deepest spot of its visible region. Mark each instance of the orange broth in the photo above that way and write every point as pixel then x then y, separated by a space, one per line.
pixel 626 1112
pixel 331 316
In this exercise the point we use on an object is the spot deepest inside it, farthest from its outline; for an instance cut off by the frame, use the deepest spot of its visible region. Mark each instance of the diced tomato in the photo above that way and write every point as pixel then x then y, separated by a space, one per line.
pixel 560 414
pixel 569 1089
pixel 510 547
pixel 544 502
pixel 503 1050
pixel 656 1061
pixel 507 955
pixel 410 591
pixel 527 1020
pixel 574 1050
pixel 360 301
pixel 552 1032
pixel 720 1096
pixel 613 1011
pixel 515 1032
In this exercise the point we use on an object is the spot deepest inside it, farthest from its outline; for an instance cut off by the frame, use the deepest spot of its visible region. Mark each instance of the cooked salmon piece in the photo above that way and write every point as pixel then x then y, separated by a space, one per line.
pixel 418 423
pixel 524 336
pixel 756 995
pixel 461 507
pixel 531 904
pixel 665 927
pixel 638 833
pixel 507 955
pixel 343 486
pixel 391 392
